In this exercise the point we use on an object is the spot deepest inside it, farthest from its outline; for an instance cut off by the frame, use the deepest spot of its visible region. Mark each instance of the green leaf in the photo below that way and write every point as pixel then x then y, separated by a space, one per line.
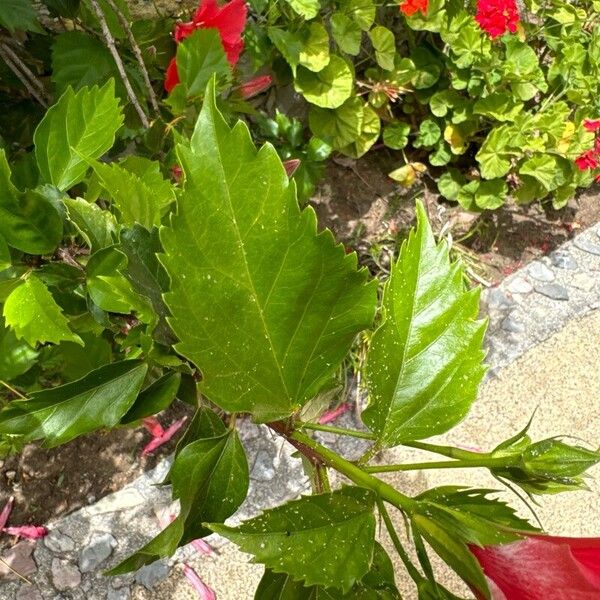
pixel 450 183
pixel 369 134
pixel 29 221
pixel 547 169
pixel 308 9
pixel 19 15
pixel 261 303
pixel 5 258
pixel 361 11
pixel 16 356
pixel 340 126
pixel 289 44
pixel 500 106
pixel 424 365
pixel 97 227
pixel 79 126
pixel 346 33
pixel 314 54
pixel 327 539
pixel 210 478
pixel 200 56
pixel 429 134
pixel 441 155
pixel 155 398
pixel 330 87
pixel 483 195
pixel 395 135
pixel 33 314
pixel 377 584
pixel 58 415
pixel 80 60
pixel 384 42
pixel 494 155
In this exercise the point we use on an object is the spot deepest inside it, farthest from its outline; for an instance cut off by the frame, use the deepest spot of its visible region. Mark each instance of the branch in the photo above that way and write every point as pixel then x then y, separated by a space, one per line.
pixel 137 52
pixel 20 69
pixel 110 42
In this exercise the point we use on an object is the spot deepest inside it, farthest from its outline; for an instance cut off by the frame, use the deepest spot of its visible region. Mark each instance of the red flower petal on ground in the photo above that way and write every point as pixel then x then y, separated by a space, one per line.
pixel 204 592
pixel 162 436
pixel 410 7
pixel 592 124
pixel 588 160
pixel 31 532
pixel 543 568
pixel 171 76
pixel 153 425
pixel 255 86
pixel 496 17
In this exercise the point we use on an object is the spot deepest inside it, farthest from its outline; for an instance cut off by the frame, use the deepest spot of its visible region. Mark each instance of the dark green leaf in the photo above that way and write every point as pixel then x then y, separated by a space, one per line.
pixel 16 356
pixel 19 15
pixel 60 414
pixel 155 398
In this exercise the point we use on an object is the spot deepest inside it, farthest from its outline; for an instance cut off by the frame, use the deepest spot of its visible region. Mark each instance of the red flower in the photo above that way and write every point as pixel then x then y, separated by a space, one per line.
pixel 229 20
pixel 592 124
pixel 588 160
pixel 410 7
pixel 542 568
pixel 255 86
pixel 496 17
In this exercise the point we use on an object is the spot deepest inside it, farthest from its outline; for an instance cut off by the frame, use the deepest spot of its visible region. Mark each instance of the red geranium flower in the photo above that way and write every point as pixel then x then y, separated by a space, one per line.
pixel 588 160
pixel 410 7
pixel 542 568
pixel 592 124
pixel 496 17
pixel 229 20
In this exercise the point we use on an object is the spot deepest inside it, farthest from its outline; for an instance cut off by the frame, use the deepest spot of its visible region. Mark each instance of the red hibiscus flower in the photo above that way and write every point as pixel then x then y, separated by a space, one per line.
pixel 410 7
pixel 588 160
pixel 542 568
pixel 496 17
pixel 255 86
pixel 229 20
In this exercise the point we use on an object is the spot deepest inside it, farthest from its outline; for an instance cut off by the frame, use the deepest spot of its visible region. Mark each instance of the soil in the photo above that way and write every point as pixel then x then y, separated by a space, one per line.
pixel 368 212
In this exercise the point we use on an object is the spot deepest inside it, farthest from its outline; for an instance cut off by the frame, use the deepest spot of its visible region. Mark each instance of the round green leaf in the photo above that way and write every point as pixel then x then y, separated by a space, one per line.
pixel 371 127
pixel 384 42
pixel 314 54
pixel 395 135
pixel 339 127
pixel 346 33
pixel 330 87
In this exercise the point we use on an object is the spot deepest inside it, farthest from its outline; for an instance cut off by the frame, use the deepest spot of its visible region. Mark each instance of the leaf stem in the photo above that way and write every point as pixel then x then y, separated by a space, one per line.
pixel 366 435
pixel 12 389
pixel 18 67
pixel 448 451
pixel 486 461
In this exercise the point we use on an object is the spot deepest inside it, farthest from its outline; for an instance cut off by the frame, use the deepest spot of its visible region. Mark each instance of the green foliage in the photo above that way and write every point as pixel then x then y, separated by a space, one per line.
pixel 18 15
pixel 424 362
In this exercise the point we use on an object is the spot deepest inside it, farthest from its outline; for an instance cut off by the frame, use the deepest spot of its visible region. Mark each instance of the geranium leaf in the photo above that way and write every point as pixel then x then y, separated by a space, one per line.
pixel 325 540
pixel 33 314
pixel 330 87
pixel 210 478
pixel 346 33
pixel 58 415
pixel 340 126
pixel 79 126
pixel 384 42
pixel 424 365
pixel 314 54
pixel 305 8
pixel 261 303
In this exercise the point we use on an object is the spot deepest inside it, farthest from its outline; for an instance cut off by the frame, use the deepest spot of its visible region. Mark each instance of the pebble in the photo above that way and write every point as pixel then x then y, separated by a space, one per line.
pixel 587 246
pixel 512 324
pixel 519 286
pixel 150 575
pixel 10 475
pixel 56 541
pixel 29 592
pixel 541 272
pixel 120 594
pixel 563 260
pixel 65 575
pixel 263 467
pixel 496 298
pixel 553 291
pixel 96 552
pixel 582 281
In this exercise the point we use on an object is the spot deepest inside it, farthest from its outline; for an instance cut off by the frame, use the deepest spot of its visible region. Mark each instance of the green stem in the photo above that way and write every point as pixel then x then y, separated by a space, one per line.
pixel 448 451
pixel 350 470
pixel 486 462
pixel 366 435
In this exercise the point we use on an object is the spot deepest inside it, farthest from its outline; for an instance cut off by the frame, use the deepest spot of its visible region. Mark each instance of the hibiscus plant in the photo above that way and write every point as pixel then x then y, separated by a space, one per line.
pixel 122 291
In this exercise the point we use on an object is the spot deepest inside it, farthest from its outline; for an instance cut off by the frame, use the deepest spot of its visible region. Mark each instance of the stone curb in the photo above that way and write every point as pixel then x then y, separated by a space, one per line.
pixel 524 310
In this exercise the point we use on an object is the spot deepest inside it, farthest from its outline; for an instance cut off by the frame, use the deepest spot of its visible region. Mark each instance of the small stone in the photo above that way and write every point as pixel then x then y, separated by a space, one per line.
pixel 126 498
pixel 587 246
pixel 96 552
pixel 563 260
pixel 150 575
pixel 90 499
pixel 512 324
pixel 10 475
pixel 541 272
pixel 29 592
pixel 65 575
pixel 553 290
pixel 496 298
pixel 123 593
pixel 263 467
pixel 56 541
pixel 582 281
pixel 519 286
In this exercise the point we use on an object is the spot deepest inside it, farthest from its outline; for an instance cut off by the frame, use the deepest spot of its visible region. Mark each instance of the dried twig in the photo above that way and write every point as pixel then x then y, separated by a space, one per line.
pixel 110 42
pixel 137 52
pixel 25 76
pixel 14 572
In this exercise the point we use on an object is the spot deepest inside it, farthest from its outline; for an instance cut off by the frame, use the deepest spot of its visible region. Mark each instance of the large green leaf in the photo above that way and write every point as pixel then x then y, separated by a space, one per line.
pixel 264 305
pixel 346 33
pixel 29 221
pixel 330 87
pixel 33 314
pixel 79 126
pixel 424 364
pixel 314 54
pixel 341 126
pixel 19 15
pixel 210 478
pixel 97 227
pixel 60 414
pixel 325 540
pixel 377 584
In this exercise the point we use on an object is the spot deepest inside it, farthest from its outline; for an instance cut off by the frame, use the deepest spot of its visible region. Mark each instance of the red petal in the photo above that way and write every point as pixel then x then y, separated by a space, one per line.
pixel 332 415
pixel 183 30
pixel 171 76
pixel 204 592
pixel 153 426
pixel 230 19
pixel 202 547
pixel 160 440
pixel 255 86
pixel 6 512
pixel 31 532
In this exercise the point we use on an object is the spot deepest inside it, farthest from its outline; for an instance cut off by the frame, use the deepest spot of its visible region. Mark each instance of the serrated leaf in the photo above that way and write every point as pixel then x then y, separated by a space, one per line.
pixel 29 221
pixel 424 365
pixel 262 304
pixel 325 540
pixel 58 415
pixel 19 15
pixel 330 87
pixel 33 314
pixel 346 33
pixel 79 126
pixel 97 227
pixel 548 170
pixel 16 356
pixel 210 478
pixel 377 584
